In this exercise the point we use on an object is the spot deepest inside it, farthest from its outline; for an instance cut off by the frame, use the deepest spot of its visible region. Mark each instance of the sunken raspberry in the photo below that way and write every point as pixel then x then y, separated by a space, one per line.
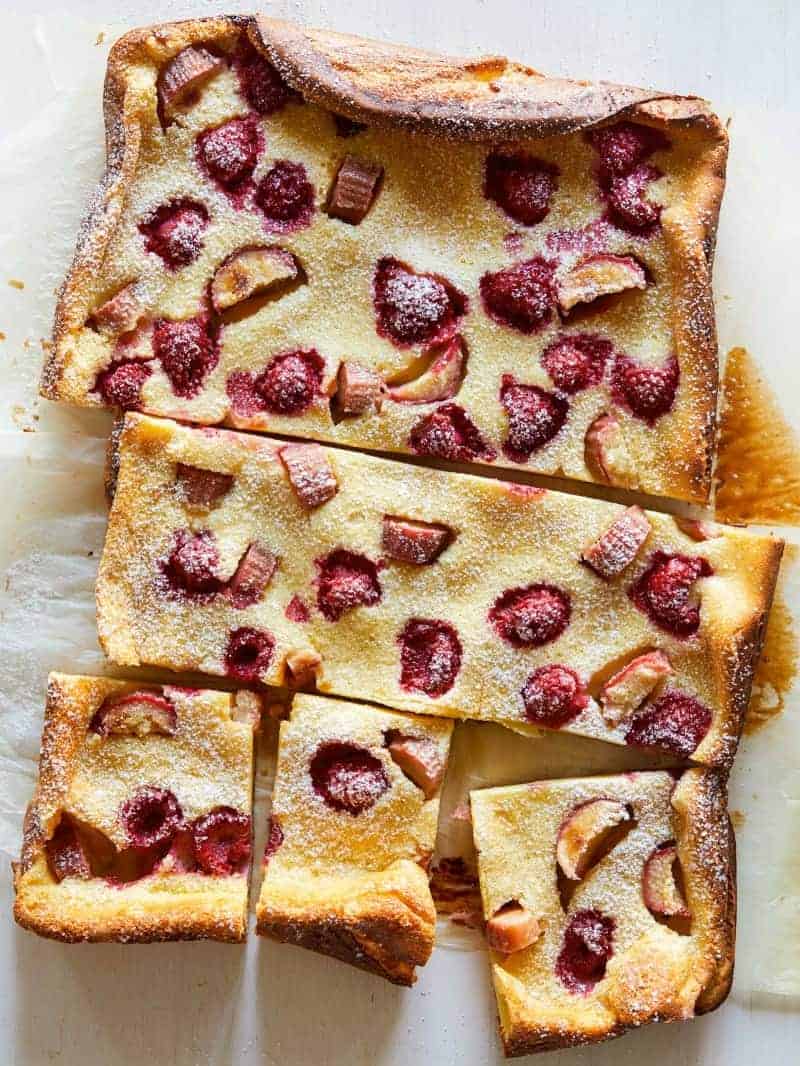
pixel 188 352
pixel 346 580
pixel 531 616
pixel 412 308
pixel 585 951
pixel 521 296
pixel 449 433
pixel 553 695
pixel 191 567
pixel 348 777
pixel 174 231
pixel 648 391
pixel 285 196
pixel 274 839
pixel 249 653
pixel 521 185
pixel 66 855
pixel 222 841
pixel 259 82
pixel 576 361
pixel 291 382
pixel 664 592
pixel 229 153
pixel 628 205
pixel 534 417
pixel 430 656
pixel 624 145
pixel 151 816
pixel 120 384
pixel 675 722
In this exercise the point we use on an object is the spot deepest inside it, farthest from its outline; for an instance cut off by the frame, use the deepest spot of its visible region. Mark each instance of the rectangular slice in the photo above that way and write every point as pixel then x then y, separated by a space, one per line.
pixel 430 591
pixel 610 902
pixel 140 827
pixel 353 824
pixel 329 237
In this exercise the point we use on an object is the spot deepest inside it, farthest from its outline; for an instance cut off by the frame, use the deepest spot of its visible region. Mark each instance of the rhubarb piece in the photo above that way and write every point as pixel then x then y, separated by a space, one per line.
pixel 587 946
pixel 249 653
pixel 698 528
pixel 354 189
pixel 65 853
pixel 535 417
pixel 190 569
pixel 289 385
pixel 413 308
pixel 520 185
pixel 599 275
pixel 359 391
pixel 585 833
pixel 151 816
pixel 229 153
pixel 285 197
pixel 420 760
pixel 521 296
pixel 449 433
pixel 200 488
pixel 184 75
pixel 137 714
pixel 576 361
pixel 187 351
pixel 606 454
pixel 512 928
pixel 664 592
pixel 222 841
pixel 310 473
pixel 348 777
pixel 346 580
pixel 629 207
pixel 629 687
pixel 120 385
pixel 661 886
pixel 647 390
pixel 532 616
pixel 251 272
pixel 121 313
pixel 414 542
pixel 253 574
pixel 440 381
pixel 676 722
pixel 553 695
pixel 430 656
pixel 302 668
pixel 616 548
pixel 174 232
pixel 259 82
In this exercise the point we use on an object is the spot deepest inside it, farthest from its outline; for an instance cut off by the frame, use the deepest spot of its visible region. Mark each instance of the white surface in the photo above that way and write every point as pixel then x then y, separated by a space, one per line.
pixel 199 1004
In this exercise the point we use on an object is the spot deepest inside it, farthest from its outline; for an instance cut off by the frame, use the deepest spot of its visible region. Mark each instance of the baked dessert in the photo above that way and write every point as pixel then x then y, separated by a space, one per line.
pixel 610 902
pixel 140 828
pixel 353 824
pixel 323 236
pixel 430 591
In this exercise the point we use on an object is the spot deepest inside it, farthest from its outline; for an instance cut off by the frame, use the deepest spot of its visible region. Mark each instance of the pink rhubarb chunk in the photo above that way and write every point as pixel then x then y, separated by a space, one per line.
pixel 616 549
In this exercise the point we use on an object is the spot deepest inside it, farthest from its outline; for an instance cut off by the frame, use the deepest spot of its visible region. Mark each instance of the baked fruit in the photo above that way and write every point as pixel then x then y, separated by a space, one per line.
pixel 250 240
pixel 140 827
pixel 430 591
pixel 610 902
pixel 353 823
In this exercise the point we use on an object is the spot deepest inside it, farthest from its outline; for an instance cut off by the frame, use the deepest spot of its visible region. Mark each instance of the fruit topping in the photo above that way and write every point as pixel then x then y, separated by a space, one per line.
pixel 624 145
pixel 606 454
pixel 585 951
pixel 430 656
pixel 616 548
pixel 297 610
pixel 354 189
pixel 359 391
pixel 440 381
pixel 137 714
pixel 599 275
pixel 121 313
pixel 120 385
pixel 534 417
pixel 676 722
pixel 449 433
pixel 191 567
pixel 288 385
pixel 553 695
pixel 348 777
pixel 512 928
pixel 188 352
pixel 252 272
pixel 200 488
pixel 664 592
pixel 629 207
pixel 229 153
pixel 174 232
pixel 647 390
pixel 346 580
pixel 259 82
pixel 65 853
pixel 520 185
pixel 310 473
pixel 697 528
pixel 420 760
pixel 249 653
pixel 151 816
pixel 274 839
pixel 531 616
pixel 302 668
pixel 576 361
pixel 410 541
pixel 413 308
pixel 184 75
pixel 629 687
pixel 285 197
pixel 222 841
pixel 253 574
pixel 521 296
pixel 661 883
pixel 585 834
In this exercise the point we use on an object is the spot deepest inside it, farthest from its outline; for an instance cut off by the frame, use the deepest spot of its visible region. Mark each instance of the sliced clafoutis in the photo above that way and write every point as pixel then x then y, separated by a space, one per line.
pixel 140 828
pixel 430 591
pixel 610 902
pixel 352 829
pixel 493 292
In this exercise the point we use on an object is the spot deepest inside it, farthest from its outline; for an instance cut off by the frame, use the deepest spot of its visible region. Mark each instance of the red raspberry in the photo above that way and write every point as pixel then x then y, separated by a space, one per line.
pixel 348 777
pixel 249 653
pixel 413 308
pixel 346 580
pixel 449 433
pixel 648 391
pixel 628 205
pixel 286 197
pixel 188 352
pixel 191 567
pixel 151 817
pixel 297 611
pixel 675 722
pixel 521 296
pixel 274 840
pixel 534 417
pixel 664 592
pixel 259 82
pixel 174 232
pixel 291 382
pixel 66 855
pixel 521 185
pixel 531 616
pixel 430 656
pixel 222 841
pixel 576 361
pixel 120 384
pixel 623 146
pixel 554 695
pixel 229 153
pixel 586 949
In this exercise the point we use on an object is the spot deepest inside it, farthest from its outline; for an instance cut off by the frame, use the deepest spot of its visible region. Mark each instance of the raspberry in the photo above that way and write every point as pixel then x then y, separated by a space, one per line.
pixel 346 580
pixel 576 361
pixel 348 777
pixel 412 308
pixel 531 616
pixel 290 382
pixel 648 391
pixel 285 196
pixel 521 296
pixel 623 146
pixel 222 841
pixel 586 949
pixel 229 153
pixel 191 567
pixel 628 206
pixel 664 591
pixel 120 384
pixel 449 433
pixel 624 175
pixel 66 856
pixel 249 653
pixel 174 231
pixel 259 82
pixel 274 840
pixel 151 817
pixel 534 417
pixel 521 185
pixel 675 722
pixel 430 656
pixel 188 352
pixel 553 695
pixel 297 611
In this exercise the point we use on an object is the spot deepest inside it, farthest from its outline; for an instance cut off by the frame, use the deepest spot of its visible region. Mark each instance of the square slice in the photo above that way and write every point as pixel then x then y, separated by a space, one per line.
pixel 610 902
pixel 338 239
pixel 140 827
pixel 353 824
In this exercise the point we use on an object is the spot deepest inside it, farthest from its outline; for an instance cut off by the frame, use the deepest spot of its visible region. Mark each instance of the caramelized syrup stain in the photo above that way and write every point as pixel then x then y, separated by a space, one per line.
pixel 777 667
pixel 738 818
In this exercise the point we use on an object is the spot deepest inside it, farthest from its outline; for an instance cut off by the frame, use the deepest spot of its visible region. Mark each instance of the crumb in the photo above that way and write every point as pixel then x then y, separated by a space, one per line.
pixel 100 37
pixel 738 818
pixel 15 283
pixel 2 336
